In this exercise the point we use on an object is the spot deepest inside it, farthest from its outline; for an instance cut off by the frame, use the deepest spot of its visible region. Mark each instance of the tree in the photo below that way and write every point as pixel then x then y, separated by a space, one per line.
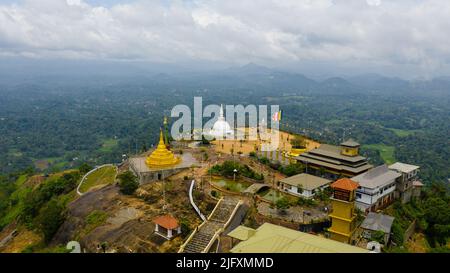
pixel 128 182
pixel 84 168
pixel 50 218
pixel 437 215
pixel 298 142
pixel 282 204
pixel 293 169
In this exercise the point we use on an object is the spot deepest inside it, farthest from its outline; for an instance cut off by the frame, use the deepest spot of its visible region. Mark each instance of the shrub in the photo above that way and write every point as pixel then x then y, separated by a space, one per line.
pixel 128 183
pixel 282 204
pixel 96 218
pixel 84 168
pixel 50 218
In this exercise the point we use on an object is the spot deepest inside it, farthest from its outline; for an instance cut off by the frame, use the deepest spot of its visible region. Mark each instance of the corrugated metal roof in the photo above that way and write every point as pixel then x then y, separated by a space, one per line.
pixel 270 238
pixel 376 177
pixel 403 167
pixel 378 221
pixel 306 181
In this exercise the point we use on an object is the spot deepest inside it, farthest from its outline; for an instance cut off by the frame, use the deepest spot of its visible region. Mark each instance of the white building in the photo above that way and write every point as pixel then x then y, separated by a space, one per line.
pixel 221 129
pixel 304 185
pixel 377 187
pixel 408 182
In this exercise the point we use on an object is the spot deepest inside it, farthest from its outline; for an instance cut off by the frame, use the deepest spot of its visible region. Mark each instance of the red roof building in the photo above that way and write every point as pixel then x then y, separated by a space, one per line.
pixel 167 226
pixel 345 184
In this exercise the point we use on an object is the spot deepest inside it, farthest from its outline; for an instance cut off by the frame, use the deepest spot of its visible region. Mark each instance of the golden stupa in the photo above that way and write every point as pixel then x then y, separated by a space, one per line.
pixel 161 157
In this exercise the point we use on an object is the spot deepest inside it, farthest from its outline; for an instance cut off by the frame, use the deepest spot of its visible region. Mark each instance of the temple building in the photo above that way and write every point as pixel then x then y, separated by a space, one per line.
pixel 160 163
pixel 221 129
pixel 335 161
pixel 161 157
pixel 343 216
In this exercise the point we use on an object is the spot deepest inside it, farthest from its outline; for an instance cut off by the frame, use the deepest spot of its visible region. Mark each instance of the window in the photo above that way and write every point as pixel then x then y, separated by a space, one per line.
pixel 358 196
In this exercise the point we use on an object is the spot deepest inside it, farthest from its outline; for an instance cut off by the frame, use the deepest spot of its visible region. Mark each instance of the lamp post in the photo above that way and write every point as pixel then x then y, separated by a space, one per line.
pixel 234 175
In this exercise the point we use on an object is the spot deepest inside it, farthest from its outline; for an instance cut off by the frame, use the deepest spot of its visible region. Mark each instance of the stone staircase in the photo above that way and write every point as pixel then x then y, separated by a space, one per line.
pixel 202 237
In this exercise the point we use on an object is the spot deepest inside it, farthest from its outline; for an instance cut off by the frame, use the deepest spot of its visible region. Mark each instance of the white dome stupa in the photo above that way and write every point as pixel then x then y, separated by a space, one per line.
pixel 221 129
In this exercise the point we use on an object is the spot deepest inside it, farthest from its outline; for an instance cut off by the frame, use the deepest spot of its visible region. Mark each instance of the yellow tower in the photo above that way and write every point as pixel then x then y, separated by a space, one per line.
pixel 343 216
pixel 350 148
pixel 161 157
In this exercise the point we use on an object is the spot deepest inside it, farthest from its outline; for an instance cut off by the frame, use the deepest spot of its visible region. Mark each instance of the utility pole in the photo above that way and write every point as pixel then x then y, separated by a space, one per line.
pixel 164 191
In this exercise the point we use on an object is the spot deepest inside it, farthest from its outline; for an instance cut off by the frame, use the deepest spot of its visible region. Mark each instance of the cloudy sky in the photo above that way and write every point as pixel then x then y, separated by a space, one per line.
pixel 396 37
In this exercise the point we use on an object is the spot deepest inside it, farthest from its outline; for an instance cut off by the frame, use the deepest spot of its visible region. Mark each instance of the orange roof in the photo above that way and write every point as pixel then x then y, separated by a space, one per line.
pixel 166 221
pixel 345 184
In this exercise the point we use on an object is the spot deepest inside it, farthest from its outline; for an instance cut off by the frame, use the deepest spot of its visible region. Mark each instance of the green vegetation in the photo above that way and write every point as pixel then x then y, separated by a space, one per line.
pixel 84 168
pixel 402 132
pixel 50 218
pixel 41 247
pixel 386 152
pixel 228 167
pixel 282 204
pixel 93 220
pixel 108 145
pixel 12 194
pixel 128 183
pixel 101 125
pixel 308 202
pixel 432 216
pixel 53 187
pixel 292 169
pixel 38 203
pixel 298 142
pixel 378 236
pixel 96 218
pixel 102 176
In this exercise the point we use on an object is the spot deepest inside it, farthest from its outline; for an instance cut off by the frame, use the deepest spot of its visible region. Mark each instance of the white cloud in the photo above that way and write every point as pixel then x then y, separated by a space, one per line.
pixel 379 33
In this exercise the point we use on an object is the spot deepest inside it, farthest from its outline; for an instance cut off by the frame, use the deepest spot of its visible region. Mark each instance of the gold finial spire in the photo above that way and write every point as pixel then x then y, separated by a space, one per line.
pixel 161 139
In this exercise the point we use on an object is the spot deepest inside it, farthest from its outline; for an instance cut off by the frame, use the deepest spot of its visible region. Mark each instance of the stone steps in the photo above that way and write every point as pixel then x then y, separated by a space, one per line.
pixel 205 234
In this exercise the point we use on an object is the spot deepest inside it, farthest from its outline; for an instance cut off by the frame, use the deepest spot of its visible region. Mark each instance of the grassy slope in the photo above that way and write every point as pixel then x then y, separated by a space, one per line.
pixel 401 132
pixel 105 175
pixel 108 145
pixel 17 195
pixel 386 152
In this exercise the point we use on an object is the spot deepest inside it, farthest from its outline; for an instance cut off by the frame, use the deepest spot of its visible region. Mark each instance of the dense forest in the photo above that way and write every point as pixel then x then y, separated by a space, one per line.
pixel 57 123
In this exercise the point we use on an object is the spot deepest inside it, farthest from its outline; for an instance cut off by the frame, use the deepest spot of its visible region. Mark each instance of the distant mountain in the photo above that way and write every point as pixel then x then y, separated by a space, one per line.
pixel 249 69
pixel 376 82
